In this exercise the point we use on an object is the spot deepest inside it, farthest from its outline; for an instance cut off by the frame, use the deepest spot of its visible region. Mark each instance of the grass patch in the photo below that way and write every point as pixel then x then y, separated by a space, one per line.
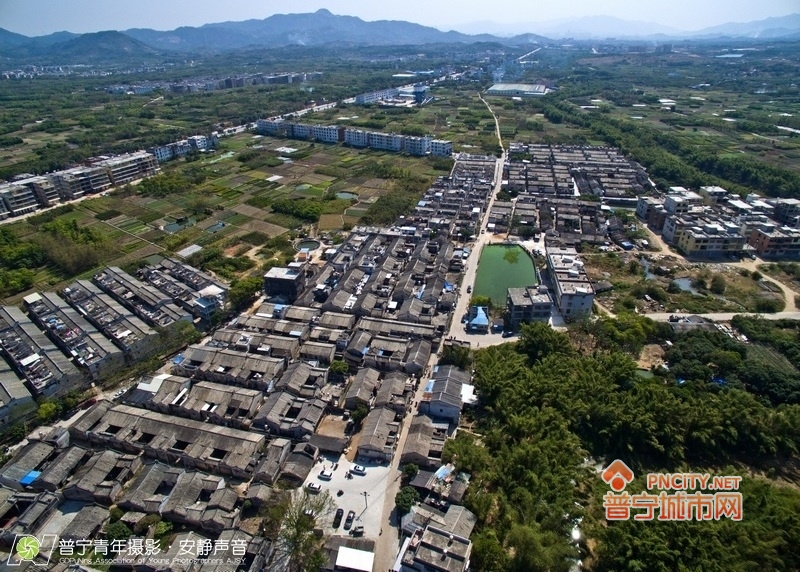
pixel 237 219
pixel 259 202
pixel 255 238
pixel 330 222
pixel 284 220
pixel 107 215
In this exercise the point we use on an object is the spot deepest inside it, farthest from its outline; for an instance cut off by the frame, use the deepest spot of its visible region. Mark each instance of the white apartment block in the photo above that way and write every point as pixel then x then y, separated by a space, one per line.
pixel 162 153
pixel 441 148
pixel 386 141
pixel 374 96
pixel 356 137
pixel 299 130
pixel 271 126
pixel 417 145
pixel 573 293
pixel 326 133
pixel 198 142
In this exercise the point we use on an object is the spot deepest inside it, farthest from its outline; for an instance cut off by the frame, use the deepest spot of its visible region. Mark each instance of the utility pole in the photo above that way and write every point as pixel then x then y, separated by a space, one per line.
pixel 366 505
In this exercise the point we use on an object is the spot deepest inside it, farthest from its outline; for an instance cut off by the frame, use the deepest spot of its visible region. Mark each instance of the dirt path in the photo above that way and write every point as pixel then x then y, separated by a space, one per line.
pixel 788 293
pixel 747 264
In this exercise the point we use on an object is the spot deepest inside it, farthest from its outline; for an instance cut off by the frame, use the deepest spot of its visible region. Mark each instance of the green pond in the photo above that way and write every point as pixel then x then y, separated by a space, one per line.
pixel 502 267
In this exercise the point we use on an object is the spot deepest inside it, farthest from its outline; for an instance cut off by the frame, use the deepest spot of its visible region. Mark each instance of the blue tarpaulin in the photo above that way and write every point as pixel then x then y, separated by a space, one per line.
pixel 29 478
pixel 443 472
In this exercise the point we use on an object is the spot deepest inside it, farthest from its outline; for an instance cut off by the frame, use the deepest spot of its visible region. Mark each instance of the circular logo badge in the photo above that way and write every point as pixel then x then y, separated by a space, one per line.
pixel 27 548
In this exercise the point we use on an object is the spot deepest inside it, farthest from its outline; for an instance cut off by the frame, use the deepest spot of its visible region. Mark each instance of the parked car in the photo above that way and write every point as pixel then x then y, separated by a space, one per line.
pixel 337 519
pixel 314 487
pixel 348 522
pixel 357 531
pixel 325 475
pixel 358 470
pixel 469 289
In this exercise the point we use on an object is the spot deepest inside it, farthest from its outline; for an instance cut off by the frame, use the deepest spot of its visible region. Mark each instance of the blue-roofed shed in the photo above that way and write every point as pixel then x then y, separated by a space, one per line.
pixel 479 319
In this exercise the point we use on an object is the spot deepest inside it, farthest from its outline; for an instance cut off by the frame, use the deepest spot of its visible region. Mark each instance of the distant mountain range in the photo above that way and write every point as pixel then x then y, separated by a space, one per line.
pixel 318 28
pixel 323 27
pixel 601 27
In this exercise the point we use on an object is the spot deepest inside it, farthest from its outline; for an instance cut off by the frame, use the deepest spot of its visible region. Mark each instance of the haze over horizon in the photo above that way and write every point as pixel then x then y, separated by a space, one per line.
pixel 41 17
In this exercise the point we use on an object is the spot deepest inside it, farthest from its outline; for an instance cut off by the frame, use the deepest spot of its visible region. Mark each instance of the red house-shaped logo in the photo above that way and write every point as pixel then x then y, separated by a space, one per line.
pixel 617 475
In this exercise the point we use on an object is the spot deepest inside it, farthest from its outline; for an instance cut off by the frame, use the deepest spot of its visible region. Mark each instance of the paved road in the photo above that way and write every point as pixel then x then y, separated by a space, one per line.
pixel 389 536
pixel 483 238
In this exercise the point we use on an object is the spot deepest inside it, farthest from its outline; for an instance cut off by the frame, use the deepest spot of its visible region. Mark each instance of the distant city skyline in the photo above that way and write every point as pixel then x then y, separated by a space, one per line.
pixel 41 17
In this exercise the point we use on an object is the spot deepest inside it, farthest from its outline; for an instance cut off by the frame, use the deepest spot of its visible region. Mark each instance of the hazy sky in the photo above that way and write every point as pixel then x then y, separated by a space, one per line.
pixel 38 17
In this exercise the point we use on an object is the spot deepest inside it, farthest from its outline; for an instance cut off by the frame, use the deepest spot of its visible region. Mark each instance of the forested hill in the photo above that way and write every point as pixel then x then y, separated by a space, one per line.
pixel 555 406
pixel 313 29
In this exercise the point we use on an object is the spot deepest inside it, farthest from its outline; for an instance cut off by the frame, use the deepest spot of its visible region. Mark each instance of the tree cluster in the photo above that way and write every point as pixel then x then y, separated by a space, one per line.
pixel 545 407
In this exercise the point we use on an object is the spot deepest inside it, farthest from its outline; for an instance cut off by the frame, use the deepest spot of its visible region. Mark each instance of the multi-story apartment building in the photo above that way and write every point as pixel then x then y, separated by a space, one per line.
pixel 79 181
pixel 715 195
pixel 298 130
pixel 528 305
pixel 271 126
pixel 646 205
pixel 287 282
pixel 773 242
pixel 375 96
pixel 787 212
pixel 327 133
pixel 129 167
pixel 386 141
pixel 417 145
pixel 199 142
pixel 162 153
pixel 712 239
pixel 703 236
pixel 18 199
pixel 356 137
pixel 682 203
pixel 44 189
pixel 573 293
pixel 441 148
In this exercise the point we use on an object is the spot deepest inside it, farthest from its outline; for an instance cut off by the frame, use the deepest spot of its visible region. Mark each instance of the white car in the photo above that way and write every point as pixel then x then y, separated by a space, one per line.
pixel 314 487
pixel 358 470
pixel 326 475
